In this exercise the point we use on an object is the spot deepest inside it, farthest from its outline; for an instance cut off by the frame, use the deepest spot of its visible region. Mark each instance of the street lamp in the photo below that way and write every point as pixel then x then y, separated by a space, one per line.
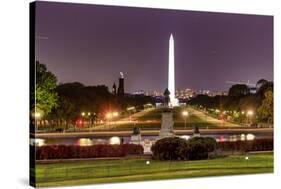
pixel 185 115
pixel 131 110
pixel 108 116
pixel 37 116
pixel 115 114
pixel 250 113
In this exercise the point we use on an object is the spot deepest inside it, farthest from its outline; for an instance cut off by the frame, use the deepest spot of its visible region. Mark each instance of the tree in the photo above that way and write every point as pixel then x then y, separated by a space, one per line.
pixel 249 102
pixel 170 148
pixel 265 111
pixel 265 87
pixel 45 95
pixel 238 90
pixel 75 98
pixel 261 82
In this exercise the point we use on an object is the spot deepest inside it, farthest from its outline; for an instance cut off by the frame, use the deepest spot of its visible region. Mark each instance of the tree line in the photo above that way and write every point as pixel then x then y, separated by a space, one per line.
pixel 64 104
pixel 241 99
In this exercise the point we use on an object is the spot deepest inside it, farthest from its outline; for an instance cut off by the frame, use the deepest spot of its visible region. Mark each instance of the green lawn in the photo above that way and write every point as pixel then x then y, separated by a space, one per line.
pixel 152 120
pixel 103 171
pixel 179 122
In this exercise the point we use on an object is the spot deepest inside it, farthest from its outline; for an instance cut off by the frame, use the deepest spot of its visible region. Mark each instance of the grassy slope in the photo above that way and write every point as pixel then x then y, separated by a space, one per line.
pixel 102 171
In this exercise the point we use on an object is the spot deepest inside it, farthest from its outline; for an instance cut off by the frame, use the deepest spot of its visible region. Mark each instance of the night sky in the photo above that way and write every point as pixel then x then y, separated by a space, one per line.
pixel 91 44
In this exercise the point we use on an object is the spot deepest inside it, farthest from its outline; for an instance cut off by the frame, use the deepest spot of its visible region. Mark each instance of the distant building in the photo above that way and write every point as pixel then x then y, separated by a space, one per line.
pixel 253 90
pixel 139 92
pixel 185 94
pixel 120 91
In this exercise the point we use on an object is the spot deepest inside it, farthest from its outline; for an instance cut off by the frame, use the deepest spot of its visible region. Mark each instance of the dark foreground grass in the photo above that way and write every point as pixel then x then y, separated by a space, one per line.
pixel 104 171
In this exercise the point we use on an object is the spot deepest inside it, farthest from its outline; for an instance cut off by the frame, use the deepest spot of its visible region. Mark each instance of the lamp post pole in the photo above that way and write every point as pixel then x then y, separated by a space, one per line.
pixel 185 114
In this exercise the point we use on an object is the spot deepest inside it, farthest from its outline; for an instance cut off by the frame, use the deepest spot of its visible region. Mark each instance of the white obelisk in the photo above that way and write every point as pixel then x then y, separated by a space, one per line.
pixel 171 74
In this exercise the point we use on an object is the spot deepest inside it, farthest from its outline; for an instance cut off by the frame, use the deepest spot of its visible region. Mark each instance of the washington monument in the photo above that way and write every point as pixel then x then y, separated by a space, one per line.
pixel 171 73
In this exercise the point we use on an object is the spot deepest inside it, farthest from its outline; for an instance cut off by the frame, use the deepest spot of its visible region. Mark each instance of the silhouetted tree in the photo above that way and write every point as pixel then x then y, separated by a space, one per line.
pixel 238 90
pixel 46 97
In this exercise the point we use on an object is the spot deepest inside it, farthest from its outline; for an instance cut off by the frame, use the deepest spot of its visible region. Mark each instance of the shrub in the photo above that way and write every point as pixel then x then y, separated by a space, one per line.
pixel 174 148
pixel 211 144
pixel 244 146
pixel 199 147
pixel 170 148
pixel 95 151
pixel 197 150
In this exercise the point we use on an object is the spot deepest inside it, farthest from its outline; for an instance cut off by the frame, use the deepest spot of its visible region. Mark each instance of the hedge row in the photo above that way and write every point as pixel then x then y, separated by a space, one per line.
pixel 95 151
pixel 244 146
pixel 175 148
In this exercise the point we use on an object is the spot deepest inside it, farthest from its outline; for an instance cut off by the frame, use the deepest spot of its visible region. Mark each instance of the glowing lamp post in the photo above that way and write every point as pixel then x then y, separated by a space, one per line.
pixel 250 114
pixel 83 115
pixel 37 117
pixel 115 114
pixel 108 116
pixel 185 115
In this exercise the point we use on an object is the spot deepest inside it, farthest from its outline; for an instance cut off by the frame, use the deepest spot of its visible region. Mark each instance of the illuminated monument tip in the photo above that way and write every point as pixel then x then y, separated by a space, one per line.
pixel 121 74
pixel 171 37
pixel 171 74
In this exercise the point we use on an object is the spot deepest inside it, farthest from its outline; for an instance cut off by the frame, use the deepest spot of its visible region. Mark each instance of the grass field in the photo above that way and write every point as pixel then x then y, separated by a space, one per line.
pixel 152 120
pixel 103 171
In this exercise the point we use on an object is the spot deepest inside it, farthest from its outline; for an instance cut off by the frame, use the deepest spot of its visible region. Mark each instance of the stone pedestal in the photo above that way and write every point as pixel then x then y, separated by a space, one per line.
pixel 196 132
pixel 167 124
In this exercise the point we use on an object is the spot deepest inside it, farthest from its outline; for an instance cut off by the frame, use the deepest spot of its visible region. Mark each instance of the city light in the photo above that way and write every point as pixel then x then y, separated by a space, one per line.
pixel 131 108
pixel 89 113
pixel 250 113
pixel 83 113
pixel 243 137
pixel 109 115
pixel 114 140
pixel 37 115
pixel 84 142
pixel 115 114
pixel 186 137
pixel 112 114
pixel 185 113
pixel 250 137
pixel 39 142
